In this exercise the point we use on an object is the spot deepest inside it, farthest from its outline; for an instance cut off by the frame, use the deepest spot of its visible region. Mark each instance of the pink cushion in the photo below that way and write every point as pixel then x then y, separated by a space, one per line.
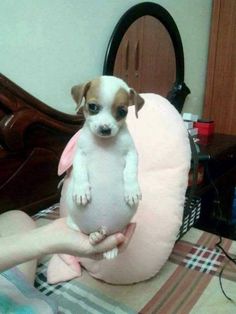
pixel 164 159
pixel 67 156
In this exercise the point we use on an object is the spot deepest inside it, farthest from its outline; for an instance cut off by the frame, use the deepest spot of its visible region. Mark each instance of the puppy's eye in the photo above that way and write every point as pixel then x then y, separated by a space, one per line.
pixel 93 108
pixel 122 112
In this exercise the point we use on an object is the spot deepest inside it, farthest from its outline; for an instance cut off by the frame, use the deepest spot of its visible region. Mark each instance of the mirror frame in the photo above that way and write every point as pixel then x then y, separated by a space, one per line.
pixel 179 90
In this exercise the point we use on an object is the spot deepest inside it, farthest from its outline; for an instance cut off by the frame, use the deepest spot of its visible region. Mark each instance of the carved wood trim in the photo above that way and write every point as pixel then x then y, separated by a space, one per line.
pixel 20 110
pixel 32 137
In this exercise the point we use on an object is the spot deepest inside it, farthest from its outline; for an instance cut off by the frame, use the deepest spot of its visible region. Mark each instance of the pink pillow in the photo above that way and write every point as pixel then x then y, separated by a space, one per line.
pixel 164 160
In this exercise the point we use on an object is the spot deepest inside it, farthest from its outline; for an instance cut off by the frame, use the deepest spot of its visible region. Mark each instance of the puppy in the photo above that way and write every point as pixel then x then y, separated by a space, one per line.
pixel 103 191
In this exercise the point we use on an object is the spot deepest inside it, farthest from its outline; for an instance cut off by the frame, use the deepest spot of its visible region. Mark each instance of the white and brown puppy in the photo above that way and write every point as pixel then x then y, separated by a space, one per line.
pixel 103 191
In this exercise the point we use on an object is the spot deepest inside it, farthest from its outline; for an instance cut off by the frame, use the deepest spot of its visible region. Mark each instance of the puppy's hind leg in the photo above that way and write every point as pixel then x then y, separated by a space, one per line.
pixel 97 236
pixel 111 254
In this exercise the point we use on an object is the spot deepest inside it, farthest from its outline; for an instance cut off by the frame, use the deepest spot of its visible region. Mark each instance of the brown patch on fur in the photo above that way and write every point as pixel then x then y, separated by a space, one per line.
pixel 121 100
pixel 89 91
pixel 93 91
pixel 92 95
pixel 78 92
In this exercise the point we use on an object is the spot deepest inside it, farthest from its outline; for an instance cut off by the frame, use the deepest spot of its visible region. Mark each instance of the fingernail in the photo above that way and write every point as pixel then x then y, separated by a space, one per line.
pixel 120 237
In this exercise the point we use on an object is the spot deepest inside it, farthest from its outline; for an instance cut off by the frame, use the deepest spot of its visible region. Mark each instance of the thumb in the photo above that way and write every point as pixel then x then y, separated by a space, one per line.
pixel 109 243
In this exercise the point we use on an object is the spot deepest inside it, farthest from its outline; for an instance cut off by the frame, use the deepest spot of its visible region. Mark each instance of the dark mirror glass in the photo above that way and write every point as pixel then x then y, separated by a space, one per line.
pixel 145 63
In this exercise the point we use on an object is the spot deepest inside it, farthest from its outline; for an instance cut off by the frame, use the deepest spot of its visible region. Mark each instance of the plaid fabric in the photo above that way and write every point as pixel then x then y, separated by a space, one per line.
pixel 195 278
pixel 75 297
pixel 202 259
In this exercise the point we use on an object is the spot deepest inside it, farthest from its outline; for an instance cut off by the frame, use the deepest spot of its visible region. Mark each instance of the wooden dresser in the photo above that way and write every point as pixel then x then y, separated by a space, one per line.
pixel 218 155
pixel 220 99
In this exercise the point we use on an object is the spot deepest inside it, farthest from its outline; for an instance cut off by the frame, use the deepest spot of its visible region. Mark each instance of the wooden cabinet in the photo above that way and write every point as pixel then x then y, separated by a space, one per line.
pixel 220 98
pixel 146 57
pixel 217 190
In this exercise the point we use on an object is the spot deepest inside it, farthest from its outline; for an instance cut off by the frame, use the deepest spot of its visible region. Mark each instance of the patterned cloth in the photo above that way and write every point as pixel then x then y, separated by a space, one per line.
pixel 204 260
pixel 188 283
pixel 17 296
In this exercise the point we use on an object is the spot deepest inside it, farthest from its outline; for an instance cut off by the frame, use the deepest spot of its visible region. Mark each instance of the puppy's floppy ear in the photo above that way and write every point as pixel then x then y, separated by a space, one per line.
pixel 78 92
pixel 136 100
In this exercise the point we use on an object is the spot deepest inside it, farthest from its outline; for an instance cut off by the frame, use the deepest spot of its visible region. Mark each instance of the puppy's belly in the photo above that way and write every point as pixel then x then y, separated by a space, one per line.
pixel 107 207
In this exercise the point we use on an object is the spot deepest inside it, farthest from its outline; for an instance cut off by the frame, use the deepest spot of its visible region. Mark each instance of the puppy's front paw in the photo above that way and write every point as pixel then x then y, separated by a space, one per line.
pixel 81 194
pixel 132 194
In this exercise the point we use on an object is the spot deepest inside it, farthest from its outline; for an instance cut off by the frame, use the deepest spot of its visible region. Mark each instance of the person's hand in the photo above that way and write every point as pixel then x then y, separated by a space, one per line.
pixel 68 241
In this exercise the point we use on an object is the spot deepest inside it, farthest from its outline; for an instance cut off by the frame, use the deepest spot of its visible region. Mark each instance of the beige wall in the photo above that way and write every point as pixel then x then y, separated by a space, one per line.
pixel 48 46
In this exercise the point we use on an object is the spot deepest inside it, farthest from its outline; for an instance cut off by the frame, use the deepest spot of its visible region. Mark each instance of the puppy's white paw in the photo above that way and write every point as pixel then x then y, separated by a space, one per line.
pixel 81 194
pixel 111 254
pixel 98 236
pixel 132 194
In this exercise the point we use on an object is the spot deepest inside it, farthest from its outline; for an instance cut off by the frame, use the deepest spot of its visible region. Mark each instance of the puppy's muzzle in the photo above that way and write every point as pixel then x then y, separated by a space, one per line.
pixel 104 130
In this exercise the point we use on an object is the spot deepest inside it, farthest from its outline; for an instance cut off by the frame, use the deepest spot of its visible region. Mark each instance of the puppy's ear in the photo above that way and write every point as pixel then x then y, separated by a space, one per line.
pixel 136 100
pixel 78 92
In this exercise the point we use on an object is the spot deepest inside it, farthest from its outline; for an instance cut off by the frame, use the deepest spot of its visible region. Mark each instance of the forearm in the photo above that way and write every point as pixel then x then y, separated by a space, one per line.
pixel 55 237
pixel 20 248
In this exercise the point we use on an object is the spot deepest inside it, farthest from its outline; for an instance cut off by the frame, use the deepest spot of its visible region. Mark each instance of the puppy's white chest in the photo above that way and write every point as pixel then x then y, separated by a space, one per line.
pixel 105 163
pixel 105 160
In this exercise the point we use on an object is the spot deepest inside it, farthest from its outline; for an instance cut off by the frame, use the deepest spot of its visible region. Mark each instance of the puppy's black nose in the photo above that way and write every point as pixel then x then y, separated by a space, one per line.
pixel 104 130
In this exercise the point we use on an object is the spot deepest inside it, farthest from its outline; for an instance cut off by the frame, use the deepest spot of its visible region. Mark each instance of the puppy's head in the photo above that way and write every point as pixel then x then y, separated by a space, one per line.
pixel 105 102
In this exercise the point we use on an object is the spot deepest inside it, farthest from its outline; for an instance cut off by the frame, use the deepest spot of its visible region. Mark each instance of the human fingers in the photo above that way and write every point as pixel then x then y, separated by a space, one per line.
pixel 107 244
pixel 128 233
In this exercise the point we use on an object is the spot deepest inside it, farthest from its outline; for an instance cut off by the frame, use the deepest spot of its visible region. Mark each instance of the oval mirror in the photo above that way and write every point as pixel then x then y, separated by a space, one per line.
pixel 146 51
